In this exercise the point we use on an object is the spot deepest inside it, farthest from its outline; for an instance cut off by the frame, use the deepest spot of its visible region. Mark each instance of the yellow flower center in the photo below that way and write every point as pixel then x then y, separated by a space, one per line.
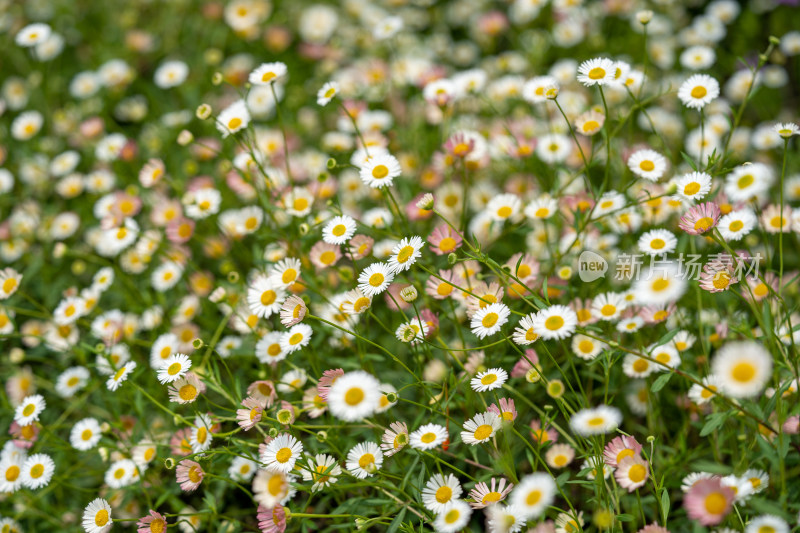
pixel 490 320
pixel 174 368
pixel 234 123
pixel 715 503
pixel 699 92
pixel 354 396
pixel 443 494
pixel 380 172
pixel 283 455
pixel 637 473
pixel 692 188
pixel 187 392
pixel 483 432
pixel 488 379
pixel 743 372
pixel 554 323
pixel 376 279
pixel 405 254
pixel 365 460
pixel 597 73
pixel 101 518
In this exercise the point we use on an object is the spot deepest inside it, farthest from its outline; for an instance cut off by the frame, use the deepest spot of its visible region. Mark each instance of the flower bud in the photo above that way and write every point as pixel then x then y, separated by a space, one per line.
pixel 322 436
pixel 197 344
pixel 426 202
pixel 233 276
pixel 409 294
pixel 217 295
pixel 452 258
pixel 203 111
pixel 185 137
pixel 16 355
pixel 644 16
pixel 331 163
pixel 217 78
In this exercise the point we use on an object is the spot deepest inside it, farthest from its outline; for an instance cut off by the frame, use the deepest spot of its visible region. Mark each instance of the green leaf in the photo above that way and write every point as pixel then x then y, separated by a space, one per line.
pixel 689 161
pixel 664 505
pixel 625 517
pixel 713 421
pixel 395 525
pixel 660 382
pixel 667 337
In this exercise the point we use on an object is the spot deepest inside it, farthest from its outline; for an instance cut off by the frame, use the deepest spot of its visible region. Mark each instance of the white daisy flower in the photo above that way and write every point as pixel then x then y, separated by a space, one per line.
pixel 427 437
pixel 743 368
pixel 375 279
pixel 354 396
pixel 533 494
pixel 454 519
pixel 97 516
pixel 233 118
pixel 647 164
pixel 37 471
pixel 364 459
pixel 174 368
pixel 339 230
pixel 85 434
pixel 736 224
pixel 29 409
pixel 698 91
pixel 281 453
pixel 597 71
pixel 298 336
pixel 657 242
pixel 694 186
pixel 555 322
pixel 114 382
pixel 481 428
pixel 405 253
pixel 327 92
pixel 440 491
pixel 200 437
pixel 379 170
pixel 491 379
pixel 488 320
pixel 595 420
pixel 268 73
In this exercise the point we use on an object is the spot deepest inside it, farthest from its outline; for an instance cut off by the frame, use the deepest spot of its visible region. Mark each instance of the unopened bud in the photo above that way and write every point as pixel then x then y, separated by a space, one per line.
pixel 322 436
pixel 185 137
pixel 273 432
pixel 304 228
pixel 284 416
pixel 409 294
pixel 644 16
pixel 233 276
pixel 217 295
pixel 197 344
pixel 774 40
pixel 426 202
pixel 331 163
pixel 169 463
pixel 16 355
pixel 217 78
pixel 452 258
pixel 59 250
pixel 551 92
pixel 203 111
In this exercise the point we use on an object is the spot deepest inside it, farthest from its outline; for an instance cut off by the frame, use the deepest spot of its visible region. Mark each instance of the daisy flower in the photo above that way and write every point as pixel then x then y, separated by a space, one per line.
pixel 380 170
pixel 718 276
pixel 440 491
pixel 777 220
pixel 658 285
pixel 748 181
pixel 569 523
pixel 11 473
pixel 632 472
pixel 489 380
pixel 152 523
pixel 297 337
pixel 428 437
pixel 339 230
pixel 412 332
pixel 323 470
pixel 97 516
pixel 115 381
pixel 375 279
pixel 293 310
pixel 364 459
pixel 507 411
pixel 285 272
pixel 394 438
pixel 271 488
pixel 268 73
pixel 619 448
pixel 37 471
pixel 405 253
pixel 586 348
pixel 559 455
pixel 505 519
pixel 270 520
pixel 533 494
pixel 281 453
pixel 608 306
pixel 524 333
pixel 737 224
pixel 555 322
pixel 698 91
pixel 264 297
pixel 454 518
pixel 708 501
pixel 504 207
pixel 354 396
pixel 33 34
pixel 767 524
pixel 786 129
pixel 251 415
pixel 121 473
pixel 597 71
pixel 481 428
pixel 29 409
pixel 694 186
pixel 647 164
pixel 483 495
pixel 186 389
pixel 595 420
pixel 9 282
pixel 444 240
pixel 488 320
pixel 742 368
pixel 189 475
pixel 174 368
pixel 233 118
pixel 327 92
pixel 200 437
pixel 85 434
